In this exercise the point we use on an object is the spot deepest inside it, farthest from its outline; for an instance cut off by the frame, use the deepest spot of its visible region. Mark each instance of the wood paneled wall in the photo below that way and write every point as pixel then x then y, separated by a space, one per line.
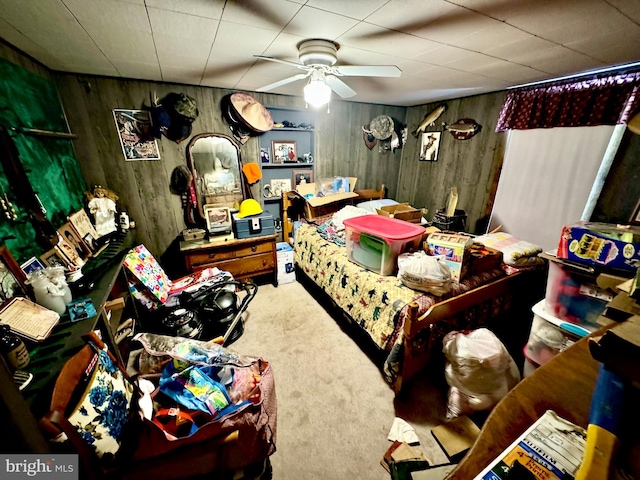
pixel 143 186
pixel 472 166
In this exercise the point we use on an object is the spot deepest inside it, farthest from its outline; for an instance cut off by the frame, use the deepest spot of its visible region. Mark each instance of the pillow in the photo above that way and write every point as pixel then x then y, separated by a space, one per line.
pixel 104 405
pixel 515 252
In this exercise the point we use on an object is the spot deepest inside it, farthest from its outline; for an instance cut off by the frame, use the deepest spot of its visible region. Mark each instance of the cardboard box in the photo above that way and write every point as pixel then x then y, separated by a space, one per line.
pixel 454 248
pixel 316 206
pixel 603 244
pixel 401 211
pixel 286 270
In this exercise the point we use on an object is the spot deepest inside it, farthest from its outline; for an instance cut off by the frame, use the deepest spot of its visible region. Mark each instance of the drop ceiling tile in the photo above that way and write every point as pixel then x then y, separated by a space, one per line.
pixel 123 17
pixel 561 61
pixel 629 9
pixel 516 50
pixel 182 26
pixel 284 47
pixel 540 16
pixel 608 48
pixel 144 71
pixel 445 55
pixel 313 23
pixel 272 15
pixel 497 34
pixel 366 36
pixel 17 39
pixel 359 9
pixel 118 48
pixel 586 27
pixel 189 76
pixel 241 40
pixel 509 72
pixel 407 15
pixel 201 8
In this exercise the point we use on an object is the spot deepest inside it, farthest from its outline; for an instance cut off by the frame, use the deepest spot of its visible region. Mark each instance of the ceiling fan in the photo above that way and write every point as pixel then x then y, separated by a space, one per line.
pixel 318 59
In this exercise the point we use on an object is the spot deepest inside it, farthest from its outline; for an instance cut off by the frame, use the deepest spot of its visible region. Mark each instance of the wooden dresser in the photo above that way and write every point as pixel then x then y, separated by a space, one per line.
pixel 243 258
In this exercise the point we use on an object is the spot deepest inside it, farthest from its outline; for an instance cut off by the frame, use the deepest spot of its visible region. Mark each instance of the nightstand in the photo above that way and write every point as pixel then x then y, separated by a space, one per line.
pixel 244 258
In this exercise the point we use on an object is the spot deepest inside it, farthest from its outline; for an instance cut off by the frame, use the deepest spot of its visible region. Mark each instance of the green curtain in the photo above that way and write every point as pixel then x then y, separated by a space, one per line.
pixel 30 101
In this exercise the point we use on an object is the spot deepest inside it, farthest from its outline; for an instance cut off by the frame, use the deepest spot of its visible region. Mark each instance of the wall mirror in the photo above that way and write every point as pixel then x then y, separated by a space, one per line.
pixel 214 160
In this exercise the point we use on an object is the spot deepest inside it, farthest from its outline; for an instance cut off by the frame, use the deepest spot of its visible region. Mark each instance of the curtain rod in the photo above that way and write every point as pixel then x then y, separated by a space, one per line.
pixel 44 133
pixel 621 69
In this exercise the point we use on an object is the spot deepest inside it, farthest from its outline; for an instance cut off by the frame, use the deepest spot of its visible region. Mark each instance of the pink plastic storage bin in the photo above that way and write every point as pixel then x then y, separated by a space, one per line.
pixel 374 241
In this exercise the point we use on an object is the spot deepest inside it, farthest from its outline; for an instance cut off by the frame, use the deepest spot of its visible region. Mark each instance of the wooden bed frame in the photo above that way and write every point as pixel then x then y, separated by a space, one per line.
pixel 515 294
pixel 504 300
pixel 512 294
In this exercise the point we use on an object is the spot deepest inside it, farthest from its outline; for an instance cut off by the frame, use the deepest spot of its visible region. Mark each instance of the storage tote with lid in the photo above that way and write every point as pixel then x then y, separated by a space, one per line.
pixel 374 242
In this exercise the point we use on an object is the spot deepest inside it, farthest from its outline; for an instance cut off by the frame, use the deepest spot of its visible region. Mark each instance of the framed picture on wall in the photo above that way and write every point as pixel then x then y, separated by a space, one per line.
pixel 284 151
pixel 264 155
pixel 279 186
pixel 429 146
pixel 300 177
pixel 12 278
pixel 136 137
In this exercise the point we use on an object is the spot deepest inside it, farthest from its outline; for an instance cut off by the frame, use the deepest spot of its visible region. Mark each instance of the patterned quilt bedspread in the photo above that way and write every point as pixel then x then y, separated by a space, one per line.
pixel 378 304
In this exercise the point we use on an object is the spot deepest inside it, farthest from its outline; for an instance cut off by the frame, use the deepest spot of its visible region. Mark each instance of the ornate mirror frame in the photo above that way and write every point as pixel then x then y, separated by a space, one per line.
pixel 216 165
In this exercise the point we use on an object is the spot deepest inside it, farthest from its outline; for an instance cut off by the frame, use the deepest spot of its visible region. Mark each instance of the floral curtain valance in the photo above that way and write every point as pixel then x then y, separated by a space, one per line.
pixel 606 100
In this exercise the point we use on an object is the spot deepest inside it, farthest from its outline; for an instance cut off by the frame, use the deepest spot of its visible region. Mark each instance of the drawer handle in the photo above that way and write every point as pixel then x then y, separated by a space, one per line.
pixel 264 263
pixel 212 255
pixel 254 248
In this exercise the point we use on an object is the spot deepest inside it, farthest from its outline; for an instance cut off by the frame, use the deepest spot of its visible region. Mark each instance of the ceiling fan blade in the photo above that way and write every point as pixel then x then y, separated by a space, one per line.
pixel 285 62
pixel 367 70
pixel 338 86
pixel 280 83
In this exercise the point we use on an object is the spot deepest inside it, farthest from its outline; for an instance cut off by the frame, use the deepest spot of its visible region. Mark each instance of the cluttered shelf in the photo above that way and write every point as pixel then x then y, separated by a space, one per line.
pixel 48 357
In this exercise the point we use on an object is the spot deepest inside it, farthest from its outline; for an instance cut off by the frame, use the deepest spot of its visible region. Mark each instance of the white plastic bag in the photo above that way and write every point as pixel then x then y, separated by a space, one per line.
pixel 423 272
pixel 479 371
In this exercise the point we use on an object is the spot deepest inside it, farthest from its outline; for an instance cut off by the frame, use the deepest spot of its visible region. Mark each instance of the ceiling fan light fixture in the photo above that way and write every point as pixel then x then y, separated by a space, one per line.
pixel 317 93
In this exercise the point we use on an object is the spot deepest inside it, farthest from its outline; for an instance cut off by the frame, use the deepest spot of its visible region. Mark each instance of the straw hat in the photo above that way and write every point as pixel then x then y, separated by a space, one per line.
pixel 251 112
pixel 382 127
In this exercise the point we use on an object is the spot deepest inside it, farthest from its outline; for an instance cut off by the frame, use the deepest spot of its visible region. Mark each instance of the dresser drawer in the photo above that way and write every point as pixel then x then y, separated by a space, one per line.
pixel 264 247
pixel 248 266
pixel 205 258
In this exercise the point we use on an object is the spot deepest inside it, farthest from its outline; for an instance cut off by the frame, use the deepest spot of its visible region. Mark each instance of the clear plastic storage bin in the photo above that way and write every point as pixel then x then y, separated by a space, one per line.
pixel 374 242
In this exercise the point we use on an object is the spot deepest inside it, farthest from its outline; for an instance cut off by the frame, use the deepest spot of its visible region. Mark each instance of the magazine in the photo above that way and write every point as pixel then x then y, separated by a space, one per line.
pixel 551 448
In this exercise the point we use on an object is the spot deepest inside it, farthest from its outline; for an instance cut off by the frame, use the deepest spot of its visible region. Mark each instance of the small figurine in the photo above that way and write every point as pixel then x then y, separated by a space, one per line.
pixel 103 208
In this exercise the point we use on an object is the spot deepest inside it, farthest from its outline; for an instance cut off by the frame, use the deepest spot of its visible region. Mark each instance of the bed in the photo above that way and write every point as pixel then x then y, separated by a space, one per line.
pixel 405 325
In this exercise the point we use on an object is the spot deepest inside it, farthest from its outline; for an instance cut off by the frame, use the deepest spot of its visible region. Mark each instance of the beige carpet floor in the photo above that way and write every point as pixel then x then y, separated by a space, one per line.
pixel 334 408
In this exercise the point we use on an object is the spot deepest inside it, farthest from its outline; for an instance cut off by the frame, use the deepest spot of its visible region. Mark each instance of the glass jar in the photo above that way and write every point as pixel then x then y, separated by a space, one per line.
pixel 13 349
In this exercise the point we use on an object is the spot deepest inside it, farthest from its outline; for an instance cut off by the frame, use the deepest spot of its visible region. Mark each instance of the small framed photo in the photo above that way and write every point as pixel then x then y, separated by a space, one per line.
pixel 54 258
pixel 264 155
pixel 218 219
pixel 279 186
pixel 12 278
pixel 301 177
pixel 72 237
pixel 429 146
pixel 31 265
pixel 284 151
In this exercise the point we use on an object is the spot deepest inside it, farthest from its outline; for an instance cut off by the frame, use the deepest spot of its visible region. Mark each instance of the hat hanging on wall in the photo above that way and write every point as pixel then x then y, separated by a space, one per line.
pixel 173 115
pixel 381 127
pixel 252 172
pixel 246 116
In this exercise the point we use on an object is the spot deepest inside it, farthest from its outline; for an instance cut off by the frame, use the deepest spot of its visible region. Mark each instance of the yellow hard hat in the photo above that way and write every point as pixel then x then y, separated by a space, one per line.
pixel 249 207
